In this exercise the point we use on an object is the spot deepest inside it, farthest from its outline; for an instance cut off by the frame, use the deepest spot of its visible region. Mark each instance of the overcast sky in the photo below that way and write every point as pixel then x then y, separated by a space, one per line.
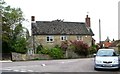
pixel 73 11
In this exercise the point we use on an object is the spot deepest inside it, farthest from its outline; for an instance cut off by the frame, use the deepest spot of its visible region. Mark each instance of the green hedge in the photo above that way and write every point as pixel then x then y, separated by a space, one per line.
pixel 56 53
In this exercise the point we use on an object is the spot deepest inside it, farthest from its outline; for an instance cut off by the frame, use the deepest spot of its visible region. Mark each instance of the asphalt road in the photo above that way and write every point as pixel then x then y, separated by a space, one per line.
pixel 69 65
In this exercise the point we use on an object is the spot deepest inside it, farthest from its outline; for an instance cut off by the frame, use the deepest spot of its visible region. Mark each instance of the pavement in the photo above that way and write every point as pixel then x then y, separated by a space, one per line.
pixel 5 61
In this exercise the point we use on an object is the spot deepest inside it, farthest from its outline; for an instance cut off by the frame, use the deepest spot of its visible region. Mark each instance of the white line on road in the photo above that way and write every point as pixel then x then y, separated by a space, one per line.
pixel 7 69
pixel 30 70
pixel 16 70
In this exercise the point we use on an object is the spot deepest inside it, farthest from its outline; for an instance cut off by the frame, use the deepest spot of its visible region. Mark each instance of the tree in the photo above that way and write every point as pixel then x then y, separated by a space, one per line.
pixel 12 30
pixel 20 45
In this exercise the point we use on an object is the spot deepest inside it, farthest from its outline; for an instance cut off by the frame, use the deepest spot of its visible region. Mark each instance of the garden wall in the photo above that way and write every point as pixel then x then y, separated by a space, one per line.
pixel 20 57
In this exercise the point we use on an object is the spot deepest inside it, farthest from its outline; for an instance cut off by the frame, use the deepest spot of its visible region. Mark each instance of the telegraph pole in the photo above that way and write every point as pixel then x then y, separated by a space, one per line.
pixel 100 33
pixel 32 25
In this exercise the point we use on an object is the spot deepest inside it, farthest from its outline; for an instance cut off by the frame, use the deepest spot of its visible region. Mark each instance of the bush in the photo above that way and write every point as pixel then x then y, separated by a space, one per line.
pixel 93 49
pixel 80 47
pixel 56 46
pixel 64 45
pixel 39 48
pixel 56 53
pixel 44 51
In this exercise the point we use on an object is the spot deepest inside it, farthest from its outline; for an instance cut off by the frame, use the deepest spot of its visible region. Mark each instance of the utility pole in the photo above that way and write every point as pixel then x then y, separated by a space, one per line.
pixel 32 25
pixel 100 33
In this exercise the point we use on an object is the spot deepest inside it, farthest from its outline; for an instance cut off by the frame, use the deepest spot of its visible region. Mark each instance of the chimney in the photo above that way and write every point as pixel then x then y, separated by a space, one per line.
pixel 32 19
pixel 87 21
pixel 32 24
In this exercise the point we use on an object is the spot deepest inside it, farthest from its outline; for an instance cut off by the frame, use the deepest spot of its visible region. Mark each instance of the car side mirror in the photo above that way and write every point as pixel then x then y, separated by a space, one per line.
pixel 94 54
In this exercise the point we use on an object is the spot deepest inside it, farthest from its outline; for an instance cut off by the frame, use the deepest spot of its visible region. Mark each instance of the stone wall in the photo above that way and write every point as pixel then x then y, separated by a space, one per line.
pixel 5 56
pixel 20 57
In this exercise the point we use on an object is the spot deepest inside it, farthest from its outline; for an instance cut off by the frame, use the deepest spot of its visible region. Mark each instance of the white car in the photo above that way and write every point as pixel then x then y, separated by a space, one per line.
pixel 106 59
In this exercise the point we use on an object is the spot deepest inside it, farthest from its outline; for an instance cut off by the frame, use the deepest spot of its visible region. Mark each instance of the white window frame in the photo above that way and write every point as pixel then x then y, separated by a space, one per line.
pixel 51 38
pixel 63 38
pixel 79 37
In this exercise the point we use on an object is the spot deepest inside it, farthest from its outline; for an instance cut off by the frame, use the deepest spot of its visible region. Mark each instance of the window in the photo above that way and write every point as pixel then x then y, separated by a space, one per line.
pixel 63 38
pixel 50 39
pixel 79 37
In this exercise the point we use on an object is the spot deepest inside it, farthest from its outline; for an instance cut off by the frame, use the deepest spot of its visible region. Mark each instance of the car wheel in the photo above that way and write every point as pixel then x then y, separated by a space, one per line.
pixel 117 69
pixel 95 68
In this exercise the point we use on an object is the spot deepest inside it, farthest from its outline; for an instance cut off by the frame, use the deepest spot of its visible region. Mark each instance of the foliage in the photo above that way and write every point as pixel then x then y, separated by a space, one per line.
pixel 39 48
pixel 56 46
pixel 64 45
pixel 80 47
pixel 44 51
pixel 56 53
pixel 93 49
pixel 12 29
pixel 20 45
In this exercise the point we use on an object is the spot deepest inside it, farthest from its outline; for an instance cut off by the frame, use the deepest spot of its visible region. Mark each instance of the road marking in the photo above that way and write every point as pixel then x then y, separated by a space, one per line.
pixel 30 70
pixel 23 71
pixel 7 69
pixel 16 70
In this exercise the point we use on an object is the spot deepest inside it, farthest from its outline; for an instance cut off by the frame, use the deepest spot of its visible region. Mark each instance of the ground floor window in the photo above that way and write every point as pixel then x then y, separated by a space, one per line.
pixel 79 37
pixel 49 38
pixel 63 38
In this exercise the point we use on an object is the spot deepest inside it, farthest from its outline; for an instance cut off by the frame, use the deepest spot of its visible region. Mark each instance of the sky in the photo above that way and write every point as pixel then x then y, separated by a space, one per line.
pixel 73 11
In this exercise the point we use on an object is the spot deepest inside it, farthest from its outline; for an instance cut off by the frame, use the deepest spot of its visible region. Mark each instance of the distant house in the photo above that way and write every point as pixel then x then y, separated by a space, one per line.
pixel 116 45
pixel 107 43
pixel 51 33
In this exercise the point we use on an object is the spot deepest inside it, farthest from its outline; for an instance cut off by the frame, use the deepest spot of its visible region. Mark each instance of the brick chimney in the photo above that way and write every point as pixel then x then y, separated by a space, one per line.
pixel 87 21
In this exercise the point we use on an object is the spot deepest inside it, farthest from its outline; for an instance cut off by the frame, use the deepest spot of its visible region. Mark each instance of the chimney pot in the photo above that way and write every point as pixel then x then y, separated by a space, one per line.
pixel 32 18
pixel 86 16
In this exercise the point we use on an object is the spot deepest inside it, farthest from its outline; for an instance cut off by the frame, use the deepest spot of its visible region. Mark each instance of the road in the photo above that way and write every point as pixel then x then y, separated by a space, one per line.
pixel 67 65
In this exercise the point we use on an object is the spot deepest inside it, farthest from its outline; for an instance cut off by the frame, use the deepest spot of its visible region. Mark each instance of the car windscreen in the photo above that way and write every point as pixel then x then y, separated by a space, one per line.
pixel 106 53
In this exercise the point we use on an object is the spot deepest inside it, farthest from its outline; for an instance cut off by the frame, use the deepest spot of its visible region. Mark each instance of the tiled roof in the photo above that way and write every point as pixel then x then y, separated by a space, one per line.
pixel 107 44
pixel 59 27
pixel 115 43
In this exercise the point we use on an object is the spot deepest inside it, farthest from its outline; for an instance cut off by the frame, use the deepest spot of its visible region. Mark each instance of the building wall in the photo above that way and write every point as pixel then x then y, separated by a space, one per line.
pixel 88 40
pixel 41 39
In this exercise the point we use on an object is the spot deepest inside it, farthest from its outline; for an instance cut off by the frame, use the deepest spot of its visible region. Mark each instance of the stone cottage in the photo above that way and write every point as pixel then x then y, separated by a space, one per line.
pixel 51 33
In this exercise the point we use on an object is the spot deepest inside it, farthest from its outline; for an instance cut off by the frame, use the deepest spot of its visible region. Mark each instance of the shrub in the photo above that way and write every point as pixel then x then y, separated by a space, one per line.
pixel 44 51
pixel 56 53
pixel 39 48
pixel 56 46
pixel 93 49
pixel 64 45
pixel 80 47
